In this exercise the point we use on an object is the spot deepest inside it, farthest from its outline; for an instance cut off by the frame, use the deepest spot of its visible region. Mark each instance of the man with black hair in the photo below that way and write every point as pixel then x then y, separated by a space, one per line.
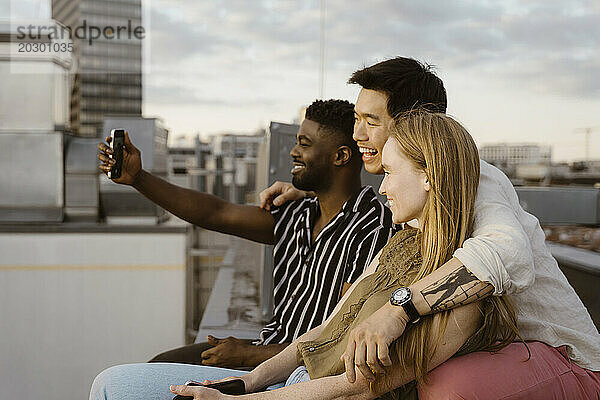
pixel 322 244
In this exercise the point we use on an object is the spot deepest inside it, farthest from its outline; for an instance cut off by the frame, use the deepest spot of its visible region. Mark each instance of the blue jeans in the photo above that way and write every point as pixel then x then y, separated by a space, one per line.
pixel 151 381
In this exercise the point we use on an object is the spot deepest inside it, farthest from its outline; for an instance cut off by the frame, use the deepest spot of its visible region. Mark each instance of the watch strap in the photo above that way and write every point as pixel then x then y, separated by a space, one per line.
pixel 411 311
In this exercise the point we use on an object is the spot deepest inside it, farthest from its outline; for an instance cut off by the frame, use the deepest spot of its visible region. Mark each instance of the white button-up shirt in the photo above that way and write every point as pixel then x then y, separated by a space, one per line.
pixel 508 250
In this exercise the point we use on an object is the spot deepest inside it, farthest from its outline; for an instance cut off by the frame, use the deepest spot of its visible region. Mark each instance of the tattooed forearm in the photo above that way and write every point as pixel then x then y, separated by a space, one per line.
pixel 459 288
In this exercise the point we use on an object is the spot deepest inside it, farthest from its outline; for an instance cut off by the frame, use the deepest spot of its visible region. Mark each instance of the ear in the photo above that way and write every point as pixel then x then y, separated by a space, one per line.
pixel 342 156
pixel 426 184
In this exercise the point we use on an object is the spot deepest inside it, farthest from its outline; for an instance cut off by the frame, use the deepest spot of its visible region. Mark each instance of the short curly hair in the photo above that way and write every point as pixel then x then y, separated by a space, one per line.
pixel 335 116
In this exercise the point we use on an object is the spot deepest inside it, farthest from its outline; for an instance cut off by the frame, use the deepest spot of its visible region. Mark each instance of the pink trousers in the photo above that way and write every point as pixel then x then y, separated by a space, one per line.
pixel 506 375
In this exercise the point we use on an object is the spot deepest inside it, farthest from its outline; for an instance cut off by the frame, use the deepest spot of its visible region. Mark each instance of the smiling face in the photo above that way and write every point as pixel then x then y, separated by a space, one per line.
pixel 312 157
pixel 405 186
pixel 371 127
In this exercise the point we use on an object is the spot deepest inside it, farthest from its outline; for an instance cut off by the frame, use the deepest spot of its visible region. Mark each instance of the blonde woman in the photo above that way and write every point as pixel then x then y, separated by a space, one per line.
pixel 432 173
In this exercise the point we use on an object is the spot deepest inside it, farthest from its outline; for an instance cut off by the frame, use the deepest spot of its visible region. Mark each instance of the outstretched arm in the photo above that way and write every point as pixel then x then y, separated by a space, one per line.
pixel 198 208
pixel 208 211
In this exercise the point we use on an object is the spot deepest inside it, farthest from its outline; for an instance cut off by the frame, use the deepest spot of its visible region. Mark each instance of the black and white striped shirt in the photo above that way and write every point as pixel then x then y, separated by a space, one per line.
pixel 308 277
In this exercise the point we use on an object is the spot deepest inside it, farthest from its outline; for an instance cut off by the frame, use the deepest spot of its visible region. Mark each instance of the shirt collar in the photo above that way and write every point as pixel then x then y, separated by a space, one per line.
pixel 360 201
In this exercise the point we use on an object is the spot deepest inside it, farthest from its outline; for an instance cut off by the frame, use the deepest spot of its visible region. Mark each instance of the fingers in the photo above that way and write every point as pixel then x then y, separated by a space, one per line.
pixel 105 159
pixel 195 391
pixel 349 366
pixel 361 362
pixel 288 193
pixel 383 354
pixel 211 357
pixel 208 353
pixel 103 155
pixel 213 341
pixel 264 204
pixel 210 362
pixel 372 361
pixel 284 197
pixel 265 200
pixel 129 147
pixel 182 390
pixel 105 149
pixel 267 195
pixel 207 382
pixel 279 200
pixel 348 358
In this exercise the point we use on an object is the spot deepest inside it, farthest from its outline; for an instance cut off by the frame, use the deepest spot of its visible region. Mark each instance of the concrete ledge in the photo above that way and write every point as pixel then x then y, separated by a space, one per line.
pixel 231 310
pixel 582 269
pixel 573 257
pixel 88 228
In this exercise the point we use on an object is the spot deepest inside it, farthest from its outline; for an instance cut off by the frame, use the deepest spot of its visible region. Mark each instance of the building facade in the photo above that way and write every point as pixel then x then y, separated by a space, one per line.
pixel 33 118
pixel 108 73
pixel 508 157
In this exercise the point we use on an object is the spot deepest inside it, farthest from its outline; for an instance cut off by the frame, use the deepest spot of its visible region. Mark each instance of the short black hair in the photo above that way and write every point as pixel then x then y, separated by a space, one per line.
pixel 407 82
pixel 335 116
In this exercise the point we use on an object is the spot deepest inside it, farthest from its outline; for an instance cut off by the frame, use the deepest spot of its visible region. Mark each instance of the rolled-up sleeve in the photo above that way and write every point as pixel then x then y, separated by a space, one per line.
pixel 499 250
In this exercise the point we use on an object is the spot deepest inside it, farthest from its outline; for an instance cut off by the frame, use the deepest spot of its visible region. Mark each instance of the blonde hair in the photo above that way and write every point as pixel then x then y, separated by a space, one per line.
pixel 443 149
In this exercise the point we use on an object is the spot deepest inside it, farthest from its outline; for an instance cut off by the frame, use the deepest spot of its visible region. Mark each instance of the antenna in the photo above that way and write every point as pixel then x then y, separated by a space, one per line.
pixel 322 52
pixel 587 131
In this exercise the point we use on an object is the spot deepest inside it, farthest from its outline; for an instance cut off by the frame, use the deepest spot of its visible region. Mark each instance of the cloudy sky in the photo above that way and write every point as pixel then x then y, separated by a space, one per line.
pixel 515 71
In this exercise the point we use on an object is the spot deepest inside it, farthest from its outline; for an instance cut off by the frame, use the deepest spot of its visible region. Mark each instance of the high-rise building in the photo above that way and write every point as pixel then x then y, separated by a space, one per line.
pixel 108 54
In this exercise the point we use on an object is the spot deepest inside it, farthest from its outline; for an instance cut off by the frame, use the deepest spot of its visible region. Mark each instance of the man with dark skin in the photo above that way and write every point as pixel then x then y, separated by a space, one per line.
pixel 326 161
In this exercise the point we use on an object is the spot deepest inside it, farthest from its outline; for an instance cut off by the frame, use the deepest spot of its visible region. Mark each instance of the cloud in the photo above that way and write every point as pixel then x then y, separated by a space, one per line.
pixel 174 40
pixel 467 34
pixel 562 75
pixel 177 94
pixel 265 53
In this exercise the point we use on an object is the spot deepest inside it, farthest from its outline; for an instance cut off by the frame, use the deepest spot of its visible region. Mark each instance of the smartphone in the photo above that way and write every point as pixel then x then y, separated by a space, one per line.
pixel 234 386
pixel 117 141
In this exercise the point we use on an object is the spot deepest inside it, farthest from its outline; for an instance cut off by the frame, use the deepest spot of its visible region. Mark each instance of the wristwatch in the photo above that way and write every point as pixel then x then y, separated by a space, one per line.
pixel 403 297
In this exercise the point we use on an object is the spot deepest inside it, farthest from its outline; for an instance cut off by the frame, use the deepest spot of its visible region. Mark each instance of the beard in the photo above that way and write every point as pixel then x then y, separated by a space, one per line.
pixel 313 178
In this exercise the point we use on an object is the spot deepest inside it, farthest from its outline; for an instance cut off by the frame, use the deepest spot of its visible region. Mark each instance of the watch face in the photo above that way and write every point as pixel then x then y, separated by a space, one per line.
pixel 400 295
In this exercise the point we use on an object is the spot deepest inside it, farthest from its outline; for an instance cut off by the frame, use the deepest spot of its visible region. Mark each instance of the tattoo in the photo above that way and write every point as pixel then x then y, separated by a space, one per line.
pixel 459 288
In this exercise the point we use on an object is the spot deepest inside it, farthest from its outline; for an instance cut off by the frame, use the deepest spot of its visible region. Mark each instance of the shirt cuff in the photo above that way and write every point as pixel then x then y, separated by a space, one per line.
pixel 478 265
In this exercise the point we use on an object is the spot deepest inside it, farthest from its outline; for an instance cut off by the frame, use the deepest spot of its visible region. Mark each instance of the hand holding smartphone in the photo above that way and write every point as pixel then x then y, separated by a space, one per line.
pixel 234 386
pixel 117 141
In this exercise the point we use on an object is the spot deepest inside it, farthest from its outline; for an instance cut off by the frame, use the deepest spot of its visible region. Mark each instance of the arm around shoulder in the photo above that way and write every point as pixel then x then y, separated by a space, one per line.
pixel 499 251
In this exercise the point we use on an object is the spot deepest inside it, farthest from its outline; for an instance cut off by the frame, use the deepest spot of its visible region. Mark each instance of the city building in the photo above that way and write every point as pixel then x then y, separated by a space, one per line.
pixel 183 158
pixel 122 203
pixel 509 157
pixel 34 115
pixel 213 165
pixel 108 73
pixel 576 173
